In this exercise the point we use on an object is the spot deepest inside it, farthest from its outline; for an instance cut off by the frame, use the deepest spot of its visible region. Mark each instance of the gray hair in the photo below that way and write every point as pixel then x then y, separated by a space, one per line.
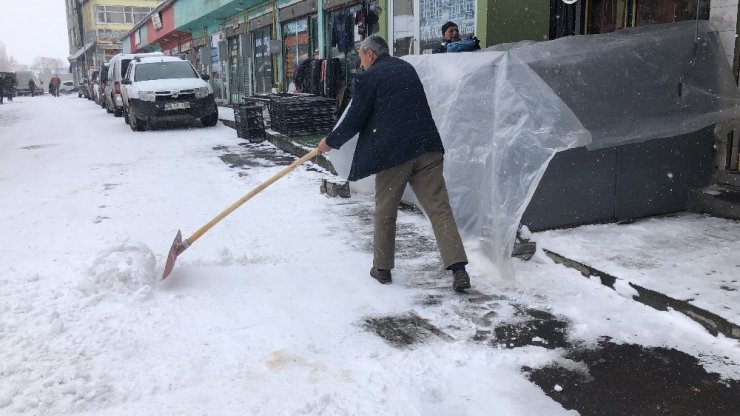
pixel 376 44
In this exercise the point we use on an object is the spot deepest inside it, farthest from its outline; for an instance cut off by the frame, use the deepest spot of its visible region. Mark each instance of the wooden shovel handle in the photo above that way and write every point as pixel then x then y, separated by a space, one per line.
pixel 251 193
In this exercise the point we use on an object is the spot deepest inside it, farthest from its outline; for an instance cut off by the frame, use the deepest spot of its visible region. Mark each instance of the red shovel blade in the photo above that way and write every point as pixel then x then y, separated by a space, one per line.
pixel 177 247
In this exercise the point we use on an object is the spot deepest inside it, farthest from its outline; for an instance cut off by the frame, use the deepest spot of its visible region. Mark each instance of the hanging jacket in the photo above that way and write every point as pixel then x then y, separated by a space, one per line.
pixel 342 32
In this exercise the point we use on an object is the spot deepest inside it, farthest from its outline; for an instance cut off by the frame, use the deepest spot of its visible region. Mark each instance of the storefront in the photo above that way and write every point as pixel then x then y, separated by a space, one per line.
pixel 299 32
pixel 348 22
pixel 260 30
pixel 296 45
pixel 218 60
pixel 588 17
pixel 237 62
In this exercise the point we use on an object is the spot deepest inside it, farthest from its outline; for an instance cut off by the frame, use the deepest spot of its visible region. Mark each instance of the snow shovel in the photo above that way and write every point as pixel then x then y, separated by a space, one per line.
pixel 178 246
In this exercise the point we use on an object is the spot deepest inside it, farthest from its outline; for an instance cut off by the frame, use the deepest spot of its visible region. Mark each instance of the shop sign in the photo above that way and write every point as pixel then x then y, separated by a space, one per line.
pixel 157 21
pixel 110 35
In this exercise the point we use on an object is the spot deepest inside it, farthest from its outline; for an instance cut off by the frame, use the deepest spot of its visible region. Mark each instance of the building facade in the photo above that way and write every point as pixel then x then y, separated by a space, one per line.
pixel 253 47
pixel 95 28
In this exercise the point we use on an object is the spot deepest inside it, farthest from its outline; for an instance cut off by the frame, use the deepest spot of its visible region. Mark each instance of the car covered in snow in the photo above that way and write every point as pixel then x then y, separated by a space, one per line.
pixel 117 69
pixel 166 88
pixel 67 87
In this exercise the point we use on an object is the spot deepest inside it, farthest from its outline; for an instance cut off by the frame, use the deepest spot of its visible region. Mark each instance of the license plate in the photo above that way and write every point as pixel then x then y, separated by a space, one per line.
pixel 176 106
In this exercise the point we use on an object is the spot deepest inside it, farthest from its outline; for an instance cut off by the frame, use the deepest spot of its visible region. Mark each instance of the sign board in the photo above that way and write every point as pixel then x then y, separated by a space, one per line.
pixel 157 21
pixel 110 35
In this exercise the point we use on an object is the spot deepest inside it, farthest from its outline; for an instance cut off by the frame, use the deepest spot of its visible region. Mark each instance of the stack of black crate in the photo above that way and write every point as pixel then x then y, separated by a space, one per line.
pixel 300 115
pixel 249 122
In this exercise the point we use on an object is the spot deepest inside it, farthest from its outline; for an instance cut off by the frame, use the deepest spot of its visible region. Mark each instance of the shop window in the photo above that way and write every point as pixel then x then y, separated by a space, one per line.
pixel 607 16
pixel 344 41
pixel 404 27
pixel 610 15
pixel 565 19
pixel 297 44
pixel 235 86
pixel 667 11
pixel 121 14
pixel 263 76
pixel 604 16
pixel 435 13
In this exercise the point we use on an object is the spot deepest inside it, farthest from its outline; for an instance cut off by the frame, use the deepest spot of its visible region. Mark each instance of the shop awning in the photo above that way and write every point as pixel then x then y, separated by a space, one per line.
pixel 80 51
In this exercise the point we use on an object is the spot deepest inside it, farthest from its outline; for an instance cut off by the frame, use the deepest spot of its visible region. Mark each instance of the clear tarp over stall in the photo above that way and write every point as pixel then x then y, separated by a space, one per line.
pixel 640 83
pixel 500 125
pixel 503 115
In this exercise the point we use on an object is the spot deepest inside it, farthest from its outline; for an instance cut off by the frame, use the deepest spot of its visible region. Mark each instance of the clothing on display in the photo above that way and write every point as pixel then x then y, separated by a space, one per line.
pixel 342 32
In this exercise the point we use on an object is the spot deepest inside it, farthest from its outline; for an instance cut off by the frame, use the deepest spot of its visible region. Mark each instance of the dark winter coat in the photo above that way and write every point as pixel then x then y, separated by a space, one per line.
pixel 389 110
pixel 442 47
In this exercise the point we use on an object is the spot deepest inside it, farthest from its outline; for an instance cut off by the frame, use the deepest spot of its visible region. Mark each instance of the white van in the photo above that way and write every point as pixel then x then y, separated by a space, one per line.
pixel 116 71
pixel 166 88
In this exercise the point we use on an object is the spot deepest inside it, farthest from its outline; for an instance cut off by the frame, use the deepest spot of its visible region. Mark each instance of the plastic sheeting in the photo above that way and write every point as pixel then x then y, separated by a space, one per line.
pixel 503 115
pixel 500 125
pixel 640 83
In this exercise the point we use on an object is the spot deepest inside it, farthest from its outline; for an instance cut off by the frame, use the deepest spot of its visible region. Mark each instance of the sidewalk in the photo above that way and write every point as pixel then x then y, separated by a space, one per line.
pixel 687 262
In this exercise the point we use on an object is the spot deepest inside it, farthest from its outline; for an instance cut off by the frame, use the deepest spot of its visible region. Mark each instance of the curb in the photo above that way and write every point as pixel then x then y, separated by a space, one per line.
pixel 281 142
pixel 712 322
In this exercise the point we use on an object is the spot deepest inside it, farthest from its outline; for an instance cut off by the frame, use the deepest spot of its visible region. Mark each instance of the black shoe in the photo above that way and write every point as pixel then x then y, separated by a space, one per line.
pixel 460 280
pixel 382 276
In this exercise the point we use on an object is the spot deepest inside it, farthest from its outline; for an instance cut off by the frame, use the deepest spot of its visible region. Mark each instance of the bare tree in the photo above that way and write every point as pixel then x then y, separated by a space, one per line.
pixel 45 65
pixel 7 63
pixel 4 59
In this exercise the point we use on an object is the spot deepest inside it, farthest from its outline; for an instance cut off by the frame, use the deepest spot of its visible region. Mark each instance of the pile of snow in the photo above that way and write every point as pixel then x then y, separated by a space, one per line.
pixel 124 268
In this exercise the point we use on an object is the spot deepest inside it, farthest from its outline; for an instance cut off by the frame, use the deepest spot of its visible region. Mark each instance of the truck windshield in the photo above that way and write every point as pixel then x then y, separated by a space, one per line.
pixel 164 70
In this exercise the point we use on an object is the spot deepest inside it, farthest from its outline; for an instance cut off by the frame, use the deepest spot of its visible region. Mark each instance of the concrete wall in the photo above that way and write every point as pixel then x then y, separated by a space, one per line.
pixel 621 183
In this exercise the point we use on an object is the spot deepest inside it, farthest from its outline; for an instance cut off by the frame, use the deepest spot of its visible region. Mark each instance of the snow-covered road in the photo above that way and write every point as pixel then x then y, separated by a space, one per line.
pixel 271 312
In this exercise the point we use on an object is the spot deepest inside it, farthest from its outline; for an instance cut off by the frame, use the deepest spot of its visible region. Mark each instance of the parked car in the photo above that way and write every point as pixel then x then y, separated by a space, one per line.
pixel 67 87
pixel 166 88
pixel 102 81
pixel 9 84
pixel 92 84
pixel 100 86
pixel 117 68
pixel 22 78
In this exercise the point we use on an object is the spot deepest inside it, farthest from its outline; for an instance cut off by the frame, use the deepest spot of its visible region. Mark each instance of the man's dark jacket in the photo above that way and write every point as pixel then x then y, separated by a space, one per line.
pixel 390 111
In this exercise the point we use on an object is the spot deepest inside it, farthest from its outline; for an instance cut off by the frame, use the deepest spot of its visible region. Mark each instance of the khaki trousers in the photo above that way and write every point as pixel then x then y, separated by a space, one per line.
pixel 424 174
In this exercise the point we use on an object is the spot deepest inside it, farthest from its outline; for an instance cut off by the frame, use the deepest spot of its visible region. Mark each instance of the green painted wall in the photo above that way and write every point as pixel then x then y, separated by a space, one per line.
pixel 503 21
pixel 187 11
pixel 383 20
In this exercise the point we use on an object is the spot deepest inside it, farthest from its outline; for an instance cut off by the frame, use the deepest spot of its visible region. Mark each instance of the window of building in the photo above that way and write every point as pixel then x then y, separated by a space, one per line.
pixel 404 27
pixel 121 14
pixel 604 16
pixel 297 44
pixel 263 76
pixel 434 13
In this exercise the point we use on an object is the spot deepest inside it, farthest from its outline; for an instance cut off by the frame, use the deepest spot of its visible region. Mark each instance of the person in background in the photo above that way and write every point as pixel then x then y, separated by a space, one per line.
pixel 32 87
pixel 2 89
pixel 451 41
pixel 400 144
pixel 54 84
